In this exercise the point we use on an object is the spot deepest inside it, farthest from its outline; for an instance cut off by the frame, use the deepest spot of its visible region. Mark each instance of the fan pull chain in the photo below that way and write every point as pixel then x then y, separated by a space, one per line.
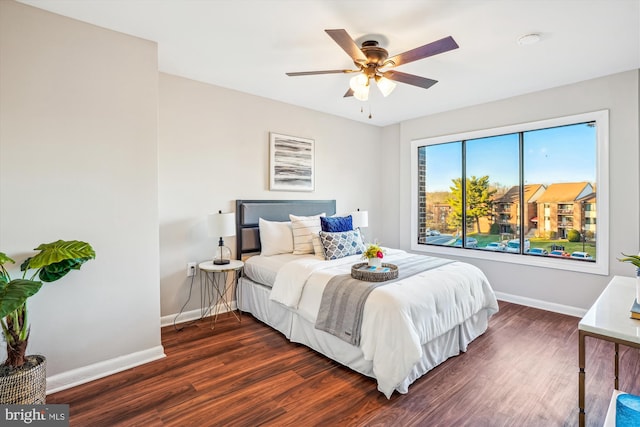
pixel 362 111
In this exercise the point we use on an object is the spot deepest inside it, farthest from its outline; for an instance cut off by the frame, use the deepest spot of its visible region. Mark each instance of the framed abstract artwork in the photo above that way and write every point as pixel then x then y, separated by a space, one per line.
pixel 291 163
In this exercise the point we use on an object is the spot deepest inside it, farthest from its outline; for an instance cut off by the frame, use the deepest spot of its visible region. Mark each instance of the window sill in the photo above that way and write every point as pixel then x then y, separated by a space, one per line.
pixel 592 267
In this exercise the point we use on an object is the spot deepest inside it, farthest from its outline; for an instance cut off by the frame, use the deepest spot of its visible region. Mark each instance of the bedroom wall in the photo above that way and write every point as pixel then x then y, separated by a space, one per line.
pixel 617 93
pixel 214 149
pixel 78 160
pixel 392 164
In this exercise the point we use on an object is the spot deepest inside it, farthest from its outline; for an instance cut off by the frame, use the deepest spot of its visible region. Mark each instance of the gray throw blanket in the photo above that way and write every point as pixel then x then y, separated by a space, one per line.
pixel 344 297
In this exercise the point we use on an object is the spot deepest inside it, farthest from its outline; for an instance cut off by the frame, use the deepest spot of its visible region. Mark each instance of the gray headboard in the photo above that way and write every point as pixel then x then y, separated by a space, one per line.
pixel 248 212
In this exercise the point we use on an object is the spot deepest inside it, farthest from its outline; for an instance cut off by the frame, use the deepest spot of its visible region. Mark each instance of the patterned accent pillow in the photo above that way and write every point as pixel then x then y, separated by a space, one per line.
pixel 336 224
pixel 342 244
pixel 304 228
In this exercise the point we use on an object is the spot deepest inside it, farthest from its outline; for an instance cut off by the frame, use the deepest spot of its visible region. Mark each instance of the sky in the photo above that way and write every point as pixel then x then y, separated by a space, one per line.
pixel 553 155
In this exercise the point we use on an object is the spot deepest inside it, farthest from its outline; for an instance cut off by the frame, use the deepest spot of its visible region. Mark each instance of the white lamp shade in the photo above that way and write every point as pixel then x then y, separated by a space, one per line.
pixel 385 85
pixel 222 224
pixel 361 94
pixel 358 82
pixel 360 219
pixel 360 86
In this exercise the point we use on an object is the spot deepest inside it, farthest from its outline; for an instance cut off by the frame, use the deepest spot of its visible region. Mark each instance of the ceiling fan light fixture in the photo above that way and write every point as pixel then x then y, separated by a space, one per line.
pixel 370 59
pixel 361 94
pixel 358 82
pixel 385 85
pixel 360 86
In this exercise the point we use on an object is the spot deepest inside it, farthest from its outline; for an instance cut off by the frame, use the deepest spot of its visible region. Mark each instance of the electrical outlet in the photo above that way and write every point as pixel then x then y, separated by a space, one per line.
pixel 191 269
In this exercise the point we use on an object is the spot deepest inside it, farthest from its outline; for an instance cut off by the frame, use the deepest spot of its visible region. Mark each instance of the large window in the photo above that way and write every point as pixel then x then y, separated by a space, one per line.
pixel 534 193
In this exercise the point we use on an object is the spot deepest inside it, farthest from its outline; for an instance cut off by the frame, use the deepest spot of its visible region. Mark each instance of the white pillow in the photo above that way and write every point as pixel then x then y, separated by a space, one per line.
pixel 304 228
pixel 275 237
pixel 318 247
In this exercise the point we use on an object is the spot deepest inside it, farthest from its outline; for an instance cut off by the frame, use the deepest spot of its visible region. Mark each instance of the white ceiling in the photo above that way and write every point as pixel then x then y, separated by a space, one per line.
pixel 248 45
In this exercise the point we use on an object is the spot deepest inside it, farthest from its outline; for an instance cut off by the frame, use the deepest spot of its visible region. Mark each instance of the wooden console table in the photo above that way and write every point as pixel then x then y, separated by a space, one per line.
pixel 608 319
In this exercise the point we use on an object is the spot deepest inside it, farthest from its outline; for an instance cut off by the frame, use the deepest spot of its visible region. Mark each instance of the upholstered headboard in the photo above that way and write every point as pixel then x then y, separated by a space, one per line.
pixel 248 212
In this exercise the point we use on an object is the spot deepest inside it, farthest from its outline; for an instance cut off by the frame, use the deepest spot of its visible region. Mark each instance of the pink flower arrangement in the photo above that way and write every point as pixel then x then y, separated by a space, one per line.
pixel 373 251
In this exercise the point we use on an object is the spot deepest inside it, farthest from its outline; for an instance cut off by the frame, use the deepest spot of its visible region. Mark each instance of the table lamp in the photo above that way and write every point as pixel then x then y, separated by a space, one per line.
pixel 222 225
pixel 360 219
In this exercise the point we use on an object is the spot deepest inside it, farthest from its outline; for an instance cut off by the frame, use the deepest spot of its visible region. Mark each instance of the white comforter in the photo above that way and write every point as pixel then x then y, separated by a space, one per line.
pixel 399 317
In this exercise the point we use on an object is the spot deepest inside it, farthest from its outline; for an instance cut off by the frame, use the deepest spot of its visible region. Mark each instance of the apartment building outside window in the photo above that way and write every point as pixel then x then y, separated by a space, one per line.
pixel 531 193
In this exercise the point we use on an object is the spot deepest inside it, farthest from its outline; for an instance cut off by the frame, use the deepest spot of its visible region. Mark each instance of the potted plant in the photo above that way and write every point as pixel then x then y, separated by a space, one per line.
pixel 633 259
pixel 18 373
pixel 373 254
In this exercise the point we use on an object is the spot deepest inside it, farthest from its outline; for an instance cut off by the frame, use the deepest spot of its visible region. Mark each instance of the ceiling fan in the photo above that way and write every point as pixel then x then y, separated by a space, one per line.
pixel 373 61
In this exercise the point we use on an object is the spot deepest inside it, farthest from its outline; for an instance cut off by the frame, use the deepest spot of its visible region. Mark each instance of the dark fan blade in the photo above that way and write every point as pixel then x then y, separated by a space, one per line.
pixel 345 41
pixel 310 73
pixel 434 48
pixel 348 93
pixel 409 79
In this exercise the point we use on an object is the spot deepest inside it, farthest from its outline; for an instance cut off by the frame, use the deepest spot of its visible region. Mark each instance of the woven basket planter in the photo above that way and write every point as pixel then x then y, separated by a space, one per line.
pixel 25 386
pixel 357 272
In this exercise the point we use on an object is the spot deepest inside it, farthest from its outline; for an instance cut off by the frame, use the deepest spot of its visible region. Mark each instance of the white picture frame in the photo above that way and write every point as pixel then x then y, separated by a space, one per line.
pixel 291 163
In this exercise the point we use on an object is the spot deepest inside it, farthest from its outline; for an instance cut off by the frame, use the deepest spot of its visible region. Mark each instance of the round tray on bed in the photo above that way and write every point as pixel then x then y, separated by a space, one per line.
pixel 359 271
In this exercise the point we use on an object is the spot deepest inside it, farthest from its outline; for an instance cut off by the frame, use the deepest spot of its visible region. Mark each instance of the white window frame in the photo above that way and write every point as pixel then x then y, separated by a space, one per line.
pixel 601 264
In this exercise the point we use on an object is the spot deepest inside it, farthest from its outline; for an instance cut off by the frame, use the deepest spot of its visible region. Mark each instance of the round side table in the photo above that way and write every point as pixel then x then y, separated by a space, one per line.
pixel 214 288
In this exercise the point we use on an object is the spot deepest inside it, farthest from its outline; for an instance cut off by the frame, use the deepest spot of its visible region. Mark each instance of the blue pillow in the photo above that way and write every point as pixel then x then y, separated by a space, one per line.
pixel 336 224
pixel 341 244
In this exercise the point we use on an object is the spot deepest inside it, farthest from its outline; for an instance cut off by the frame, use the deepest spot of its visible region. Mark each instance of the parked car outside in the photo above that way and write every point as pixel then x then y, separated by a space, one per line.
pixel 471 242
pixel 559 253
pixel 537 251
pixel 494 246
pixel 581 255
pixel 514 245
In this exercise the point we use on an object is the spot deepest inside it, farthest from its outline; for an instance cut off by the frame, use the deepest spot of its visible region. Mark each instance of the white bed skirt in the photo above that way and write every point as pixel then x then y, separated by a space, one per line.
pixel 254 299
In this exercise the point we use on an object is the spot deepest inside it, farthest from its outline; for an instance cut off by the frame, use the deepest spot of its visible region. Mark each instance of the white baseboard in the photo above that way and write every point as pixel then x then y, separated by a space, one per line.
pixel 543 305
pixel 188 316
pixel 103 369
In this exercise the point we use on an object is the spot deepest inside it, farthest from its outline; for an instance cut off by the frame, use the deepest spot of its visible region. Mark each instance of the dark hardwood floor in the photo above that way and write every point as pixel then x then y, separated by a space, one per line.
pixel 521 372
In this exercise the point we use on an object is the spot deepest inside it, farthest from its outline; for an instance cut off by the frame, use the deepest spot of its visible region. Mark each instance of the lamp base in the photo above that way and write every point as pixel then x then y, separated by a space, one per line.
pixel 221 261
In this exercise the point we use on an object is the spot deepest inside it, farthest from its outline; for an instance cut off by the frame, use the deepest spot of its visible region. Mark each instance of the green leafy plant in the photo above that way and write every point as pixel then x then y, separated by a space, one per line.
pixel 373 251
pixel 574 235
pixel 53 261
pixel 633 259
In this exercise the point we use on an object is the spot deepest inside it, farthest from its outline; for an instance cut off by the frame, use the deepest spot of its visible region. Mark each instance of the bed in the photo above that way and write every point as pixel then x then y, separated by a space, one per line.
pixel 405 327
